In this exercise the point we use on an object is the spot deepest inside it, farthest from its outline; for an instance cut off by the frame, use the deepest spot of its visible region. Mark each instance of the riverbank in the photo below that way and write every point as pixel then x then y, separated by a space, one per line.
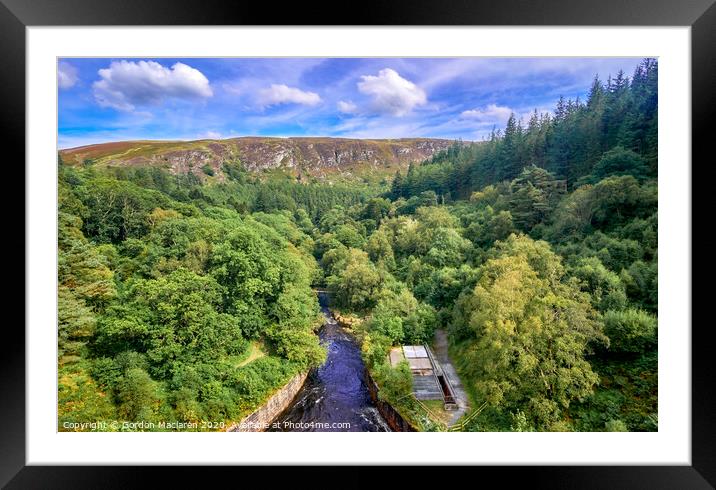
pixel 307 406
pixel 392 415
pixel 261 419
pixel 395 421
pixel 406 413
pixel 335 396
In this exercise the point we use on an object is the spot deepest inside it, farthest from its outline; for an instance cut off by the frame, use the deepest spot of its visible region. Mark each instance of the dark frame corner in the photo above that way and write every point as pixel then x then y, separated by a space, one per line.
pixel 16 15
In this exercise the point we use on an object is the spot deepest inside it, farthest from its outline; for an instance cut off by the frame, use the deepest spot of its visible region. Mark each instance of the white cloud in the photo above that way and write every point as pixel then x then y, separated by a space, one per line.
pixel 66 75
pixel 347 107
pixel 283 94
pixel 391 93
pixel 211 135
pixel 492 113
pixel 449 70
pixel 127 84
pixel 233 89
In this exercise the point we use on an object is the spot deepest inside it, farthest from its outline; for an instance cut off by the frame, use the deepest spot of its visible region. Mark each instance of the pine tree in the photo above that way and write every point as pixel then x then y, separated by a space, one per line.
pixel 510 162
pixel 396 187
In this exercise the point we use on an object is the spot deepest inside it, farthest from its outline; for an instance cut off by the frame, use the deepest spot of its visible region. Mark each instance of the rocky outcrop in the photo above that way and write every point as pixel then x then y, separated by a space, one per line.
pixel 332 153
pixel 346 321
pixel 311 156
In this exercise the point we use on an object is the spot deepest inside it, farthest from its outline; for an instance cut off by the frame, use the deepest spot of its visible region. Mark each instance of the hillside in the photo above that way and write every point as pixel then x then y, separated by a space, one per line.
pixel 321 158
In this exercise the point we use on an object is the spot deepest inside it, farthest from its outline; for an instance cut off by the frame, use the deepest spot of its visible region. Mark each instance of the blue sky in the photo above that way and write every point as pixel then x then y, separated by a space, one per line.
pixel 102 99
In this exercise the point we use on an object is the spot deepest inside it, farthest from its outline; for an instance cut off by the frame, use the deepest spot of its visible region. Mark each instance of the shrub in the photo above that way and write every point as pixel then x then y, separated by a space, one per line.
pixel 630 330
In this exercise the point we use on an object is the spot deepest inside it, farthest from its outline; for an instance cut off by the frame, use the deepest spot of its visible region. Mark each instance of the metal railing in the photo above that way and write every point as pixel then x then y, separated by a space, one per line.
pixel 448 398
pixel 460 426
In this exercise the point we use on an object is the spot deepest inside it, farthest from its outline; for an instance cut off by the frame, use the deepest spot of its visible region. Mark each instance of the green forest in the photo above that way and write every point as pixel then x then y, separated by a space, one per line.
pixel 536 250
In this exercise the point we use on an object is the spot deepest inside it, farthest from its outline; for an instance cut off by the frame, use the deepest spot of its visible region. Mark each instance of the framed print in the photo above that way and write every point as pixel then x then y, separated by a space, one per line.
pixel 469 224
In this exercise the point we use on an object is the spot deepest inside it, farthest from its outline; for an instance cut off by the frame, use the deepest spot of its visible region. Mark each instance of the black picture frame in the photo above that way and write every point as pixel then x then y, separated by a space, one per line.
pixel 16 15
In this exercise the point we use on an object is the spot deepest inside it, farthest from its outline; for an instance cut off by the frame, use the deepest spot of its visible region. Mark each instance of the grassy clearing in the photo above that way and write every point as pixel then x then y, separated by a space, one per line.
pixel 437 412
pixel 255 351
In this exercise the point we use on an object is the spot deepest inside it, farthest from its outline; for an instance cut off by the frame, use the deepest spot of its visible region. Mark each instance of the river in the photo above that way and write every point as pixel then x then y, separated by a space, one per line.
pixel 335 397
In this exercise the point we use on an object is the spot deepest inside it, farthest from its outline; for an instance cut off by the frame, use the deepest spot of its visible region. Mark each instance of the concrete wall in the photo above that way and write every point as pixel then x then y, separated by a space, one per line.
pixel 395 421
pixel 261 419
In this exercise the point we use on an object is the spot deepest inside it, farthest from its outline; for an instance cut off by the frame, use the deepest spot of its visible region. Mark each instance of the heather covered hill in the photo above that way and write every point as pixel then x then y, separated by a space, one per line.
pixel 322 158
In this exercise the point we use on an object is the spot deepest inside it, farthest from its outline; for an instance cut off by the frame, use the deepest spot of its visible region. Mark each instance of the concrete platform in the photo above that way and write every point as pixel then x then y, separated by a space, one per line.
pixel 426 388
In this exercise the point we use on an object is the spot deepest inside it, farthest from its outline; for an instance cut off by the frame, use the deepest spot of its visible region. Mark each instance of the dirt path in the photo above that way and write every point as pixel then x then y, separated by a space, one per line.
pixel 256 352
pixel 440 345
